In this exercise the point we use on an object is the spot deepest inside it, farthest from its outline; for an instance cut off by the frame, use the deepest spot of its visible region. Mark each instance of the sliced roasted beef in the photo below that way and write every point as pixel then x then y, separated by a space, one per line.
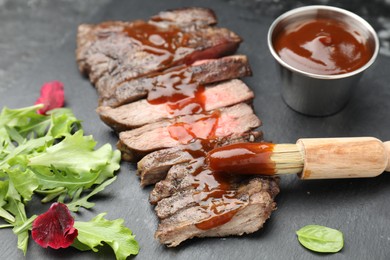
pixel 127 61
pixel 186 17
pixel 230 121
pixel 142 112
pixel 201 72
pixel 184 217
pixel 154 167
pixel 178 179
pixel 111 53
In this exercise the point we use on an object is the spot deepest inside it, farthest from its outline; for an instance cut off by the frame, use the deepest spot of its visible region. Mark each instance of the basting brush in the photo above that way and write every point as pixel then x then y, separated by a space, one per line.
pixel 311 158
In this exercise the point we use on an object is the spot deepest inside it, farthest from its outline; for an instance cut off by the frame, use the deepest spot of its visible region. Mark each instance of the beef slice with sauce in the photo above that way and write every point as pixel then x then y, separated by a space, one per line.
pixel 201 72
pixel 246 212
pixel 154 167
pixel 229 121
pixel 111 53
pixel 142 112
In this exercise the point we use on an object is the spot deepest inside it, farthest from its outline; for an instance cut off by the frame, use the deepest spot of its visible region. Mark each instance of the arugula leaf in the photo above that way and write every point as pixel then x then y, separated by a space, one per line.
pixel 91 235
pixel 16 207
pixel 83 202
pixel 52 178
pixel 321 239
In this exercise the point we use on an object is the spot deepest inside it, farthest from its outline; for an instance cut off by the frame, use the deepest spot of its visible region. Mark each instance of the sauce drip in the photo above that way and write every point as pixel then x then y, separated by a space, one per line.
pixel 214 192
pixel 157 41
pixel 245 158
pixel 177 88
pixel 182 94
pixel 322 46
pixel 203 128
pixel 162 39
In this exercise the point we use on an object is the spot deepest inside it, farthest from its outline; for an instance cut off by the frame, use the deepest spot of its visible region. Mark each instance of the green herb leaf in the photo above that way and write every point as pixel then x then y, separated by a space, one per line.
pixel 16 207
pixel 83 201
pixel 25 182
pixel 3 193
pixel 75 153
pixel 49 155
pixel 321 239
pixel 63 122
pixel 91 235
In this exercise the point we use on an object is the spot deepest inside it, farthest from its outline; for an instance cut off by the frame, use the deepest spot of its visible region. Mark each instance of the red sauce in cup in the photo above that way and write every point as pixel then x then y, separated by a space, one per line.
pixel 322 46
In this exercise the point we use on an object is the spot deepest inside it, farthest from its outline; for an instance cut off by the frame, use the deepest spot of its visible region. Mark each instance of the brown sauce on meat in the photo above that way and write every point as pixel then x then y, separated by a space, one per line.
pixel 244 158
pixel 182 94
pixel 322 46
pixel 161 43
pixel 158 38
pixel 203 128
pixel 177 89
pixel 214 192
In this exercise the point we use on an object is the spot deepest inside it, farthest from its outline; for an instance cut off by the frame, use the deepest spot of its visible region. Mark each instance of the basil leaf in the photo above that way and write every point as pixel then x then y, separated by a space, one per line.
pixel 321 239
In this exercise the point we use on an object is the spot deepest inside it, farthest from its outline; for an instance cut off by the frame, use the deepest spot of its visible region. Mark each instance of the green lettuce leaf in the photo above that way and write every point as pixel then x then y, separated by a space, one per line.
pixel 3 193
pixel 25 182
pixel 75 153
pixel 16 207
pixel 49 155
pixel 63 122
pixel 25 120
pixel 92 234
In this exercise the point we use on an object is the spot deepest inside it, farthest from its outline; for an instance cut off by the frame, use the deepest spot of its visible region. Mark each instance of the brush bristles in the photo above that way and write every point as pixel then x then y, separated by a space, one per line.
pixel 288 159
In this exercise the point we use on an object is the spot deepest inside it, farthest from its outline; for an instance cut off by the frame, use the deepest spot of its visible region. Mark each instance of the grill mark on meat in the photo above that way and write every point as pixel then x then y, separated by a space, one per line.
pixel 155 166
pixel 155 136
pixel 202 72
pixel 256 204
pixel 141 112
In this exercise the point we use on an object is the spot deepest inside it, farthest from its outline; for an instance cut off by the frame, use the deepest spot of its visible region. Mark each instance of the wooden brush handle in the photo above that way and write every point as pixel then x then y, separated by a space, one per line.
pixel 332 158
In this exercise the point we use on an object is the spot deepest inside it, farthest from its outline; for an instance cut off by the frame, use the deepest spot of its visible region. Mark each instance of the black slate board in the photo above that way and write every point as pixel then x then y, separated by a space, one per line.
pixel 37 44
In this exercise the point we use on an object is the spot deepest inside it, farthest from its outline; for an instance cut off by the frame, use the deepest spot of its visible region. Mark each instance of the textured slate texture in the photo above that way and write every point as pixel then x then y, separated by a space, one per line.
pixel 37 43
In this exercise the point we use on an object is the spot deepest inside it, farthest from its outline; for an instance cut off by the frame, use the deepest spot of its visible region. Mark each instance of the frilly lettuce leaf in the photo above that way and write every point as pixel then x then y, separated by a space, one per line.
pixel 49 155
pixel 92 234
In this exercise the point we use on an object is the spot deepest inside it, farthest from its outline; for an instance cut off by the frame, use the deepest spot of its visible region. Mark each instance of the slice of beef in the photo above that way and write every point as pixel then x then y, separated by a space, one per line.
pixel 141 112
pixel 201 72
pixel 186 17
pixel 178 179
pixel 111 53
pixel 154 167
pixel 232 121
pixel 185 218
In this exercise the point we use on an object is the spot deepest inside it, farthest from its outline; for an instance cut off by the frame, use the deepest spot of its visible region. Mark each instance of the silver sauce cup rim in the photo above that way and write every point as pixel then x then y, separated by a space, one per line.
pixel 330 8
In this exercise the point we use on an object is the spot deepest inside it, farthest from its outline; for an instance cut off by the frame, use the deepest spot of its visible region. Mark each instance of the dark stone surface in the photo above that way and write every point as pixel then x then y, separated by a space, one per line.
pixel 37 44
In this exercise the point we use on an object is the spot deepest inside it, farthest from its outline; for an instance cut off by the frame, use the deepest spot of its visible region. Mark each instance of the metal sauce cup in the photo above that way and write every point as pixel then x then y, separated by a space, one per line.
pixel 315 94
